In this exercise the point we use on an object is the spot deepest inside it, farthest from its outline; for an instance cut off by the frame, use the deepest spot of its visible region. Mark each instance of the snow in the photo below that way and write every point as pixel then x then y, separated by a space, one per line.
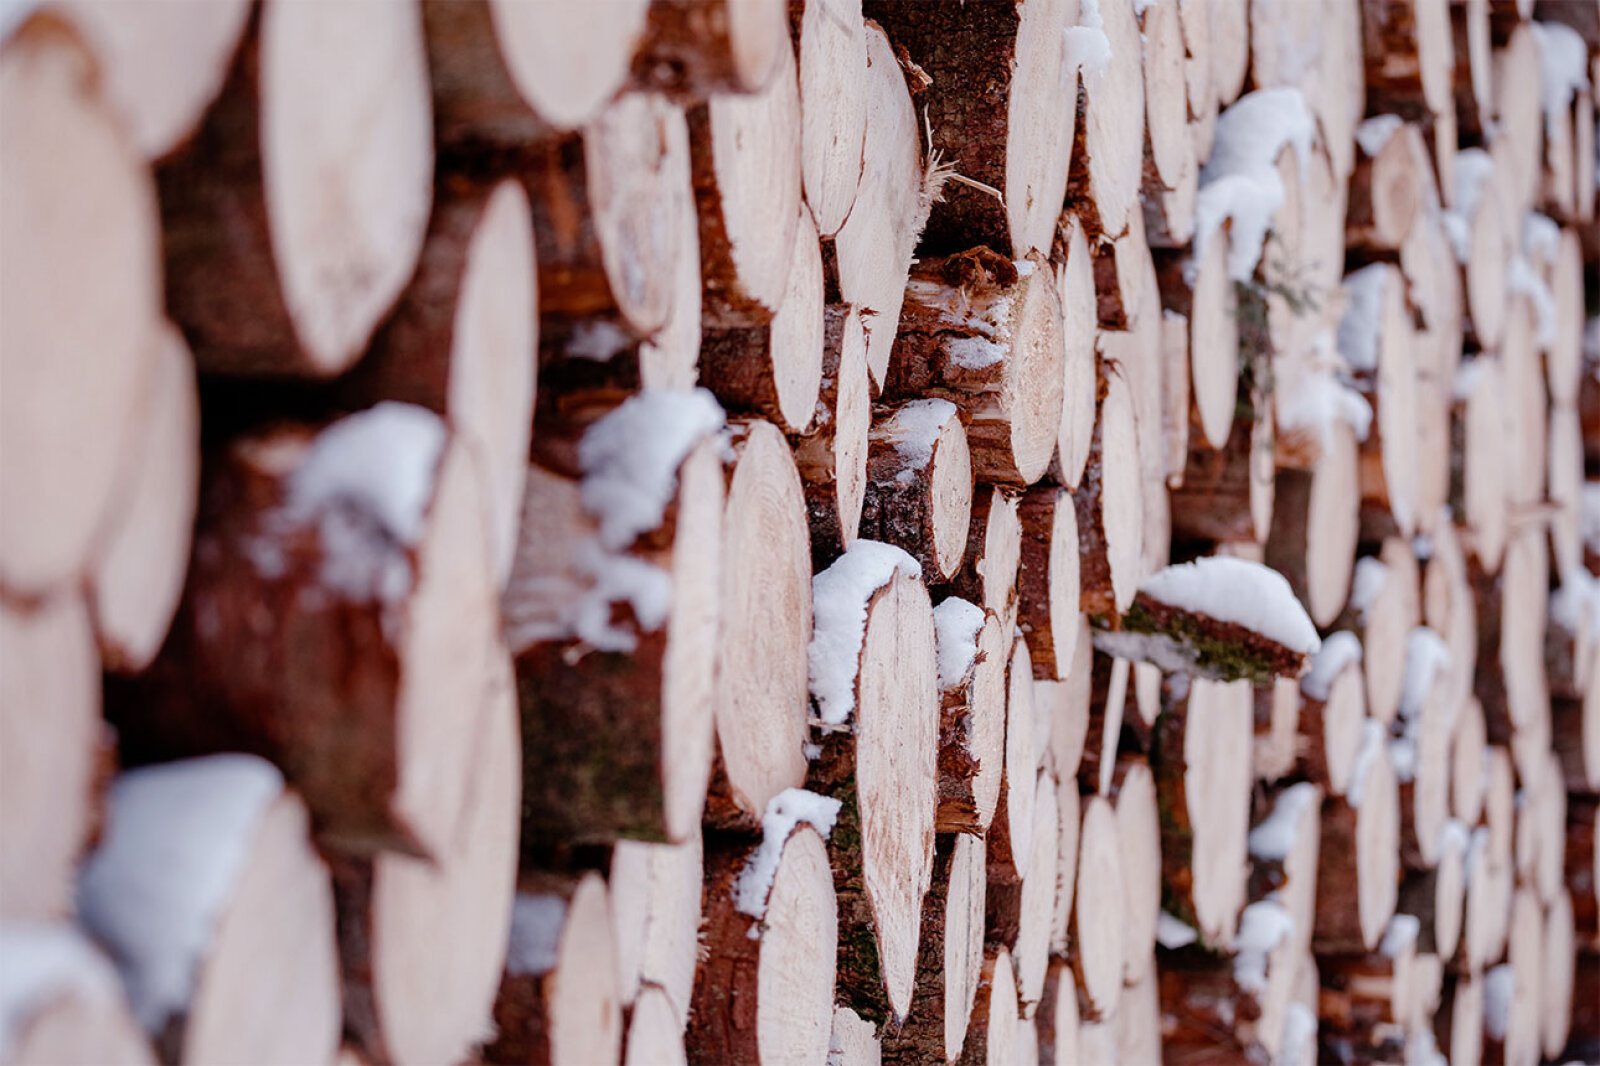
pixel 41 962
pixel 1468 374
pixel 1375 132
pixel 597 340
pixel 1499 985
pixel 1564 63
pixel 1360 327
pixel 1400 936
pixel 1541 237
pixel 1274 838
pixel 1454 838
pixel 973 353
pixel 618 578
pixel 1238 591
pixel 1427 656
pixel 630 459
pixel 1371 574
pixel 956 625
pixel 176 840
pixel 1299 1034
pixel 1240 182
pixel 1403 755
pixel 1087 47
pixel 536 924
pixel 1474 168
pixel 1575 604
pixel 915 429
pixel 1263 925
pixel 1316 398
pixel 1173 933
pixel 840 596
pixel 784 812
pixel 1589 517
pixel 1338 651
pixel 1370 751
pixel 1520 278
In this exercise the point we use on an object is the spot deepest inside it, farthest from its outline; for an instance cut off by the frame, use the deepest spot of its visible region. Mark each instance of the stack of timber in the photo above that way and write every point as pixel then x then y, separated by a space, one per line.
pixel 799 531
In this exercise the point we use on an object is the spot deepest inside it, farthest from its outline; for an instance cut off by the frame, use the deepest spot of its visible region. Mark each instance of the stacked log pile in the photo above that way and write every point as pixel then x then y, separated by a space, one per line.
pixel 1034 531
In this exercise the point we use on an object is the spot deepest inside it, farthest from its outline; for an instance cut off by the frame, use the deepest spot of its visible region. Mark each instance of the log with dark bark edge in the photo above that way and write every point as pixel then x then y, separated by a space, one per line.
pixel 761 702
pixel 1108 151
pixel 1428 724
pixel 949 959
pixel 243 904
pixel 1384 606
pixel 1519 114
pixel 421 991
pixel 80 217
pixel 1069 822
pixel 1110 504
pixel 294 217
pixel 1284 851
pixel 972 717
pixel 1206 1017
pixel 1386 191
pixel 695 49
pixel 1316 521
pixel 136 579
pixel 1020 914
pixel 50 736
pixel 1510 681
pixel 616 730
pixel 1108 700
pixel 1211 305
pixel 1330 727
pixel 1056 1023
pixel 884 771
pixel 1437 897
pixel 333 626
pixel 1001 80
pixel 832 456
pixel 988 572
pixel 1458 1024
pixel 746 161
pixel 832 43
pixel 1409 51
pixel 70 1013
pixel 1047 579
pixel 558 1000
pixel 985 333
pixel 873 250
pixel 1075 290
pixel 1363 995
pixel 919 484
pixel 992 1030
pixel 1203 789
pixel 1358 866
pixel 507 73
pixel 1389 453
pixel 1010 839
pixel 1473 73
pixel 1171 171
pixel 655 910
pixel 463 340
pixel 1227 493
pixel 1097 933
pixel 775 370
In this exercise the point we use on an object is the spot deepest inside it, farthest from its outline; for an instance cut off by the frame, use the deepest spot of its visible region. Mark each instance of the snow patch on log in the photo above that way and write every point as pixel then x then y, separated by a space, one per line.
pixel 1173 933
pixel 1338 651
pixel 1499 986
pixel 1238 591
pixel 1274 838
pixel 1474 167
pixel 536 924
pixel 1262 927
pixel 1375 132
pixel 1317 398
pixel 1299 1035
pixel 1520 278
pixel 1575 604
pixel 1563 65
pixel 956 625
pixel 1371 749
pixel 1240 181
pixel 44 962
pixel 1370 575
pixel 1362 321
pixel 840 597
pixel 1401 936
pixel 1541 237
pixel 1427 656
pixel 783 815
pixel 915 428
pixel 1088 49
pixel 630 459
pixel 176 840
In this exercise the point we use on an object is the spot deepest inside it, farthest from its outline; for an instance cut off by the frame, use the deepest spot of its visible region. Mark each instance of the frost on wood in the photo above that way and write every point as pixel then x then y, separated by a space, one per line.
pixel 1218 617
pixel 1274 838
pixel 176 839
pixel 1338 651
pixel 1239 183
pixel 41 963
pixel 956 626
pixel 784 813
pixel 840 597
pixel 630 459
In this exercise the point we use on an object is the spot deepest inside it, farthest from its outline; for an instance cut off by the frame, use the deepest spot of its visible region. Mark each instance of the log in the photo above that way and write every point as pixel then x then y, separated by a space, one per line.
pixel 1139 1021
pixel 1332 707
pixel 1069 822
pixel 1075 290
pixel 919 484
pixel 1139 827
pixel 655 914
pixel 1557 978
pixel 988 572
pixel 64 1001
pixel 1171 172
pixel 950 957
pixel 1047 579
pixel 1210 304
pixel 1067 704
pixel 655 1032
pixel 1377 340
pixel 746 156
pixel 993 1031
pixel 832 458
pixel 873 672
pixel 558 998
pixel 723 48
pixel 1056 1024
pixel 1204 794
pixel 463 341
pixel 1226 494
pixel 760 696
pixel 1020 914
pixel 1108 702
pixel 285 247
pixel 854 1040
pixel 985 333
pixel 785 973
pixel 1110 504
pixel 1316 523
pixel 1436 897
pixel 1358 865
pixel 973 663
pixel 1011 833
pixel 207 892
pixel 80 217
pixel 1479 494
pixel 1409 52
pixel 1000 78
pixel 1108 150
pixel 1097 933
pixel 339 594
pixel 1386 187
pixel 832 43
pixel 872 251
pixel 1459 1023
pixel 1284 850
